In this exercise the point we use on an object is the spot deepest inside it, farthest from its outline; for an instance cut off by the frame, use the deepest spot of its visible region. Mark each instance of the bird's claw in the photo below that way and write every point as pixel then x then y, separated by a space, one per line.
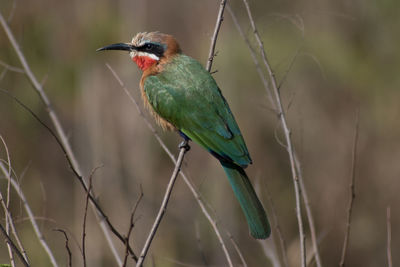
pixel 184 144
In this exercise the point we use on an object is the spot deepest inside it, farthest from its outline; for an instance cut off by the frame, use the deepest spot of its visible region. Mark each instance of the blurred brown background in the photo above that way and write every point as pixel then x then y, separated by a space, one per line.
pixel 348 60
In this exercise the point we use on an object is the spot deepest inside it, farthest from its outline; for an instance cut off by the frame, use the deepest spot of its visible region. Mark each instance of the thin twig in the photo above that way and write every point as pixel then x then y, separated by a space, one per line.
pixel 278 230
pixel 6 205
pixel 199 243
pixel 103 221
pixel 286 131
pixel 35 226
pixel 352 193
pixel 11 68
pixel 85 217
pixel 163 207
pixel 310 217
pixel 237 249
pixel 131 225
pixel 254 57
pixel 218 24
pixel 14 247
pixel 389 237
pixel 66 246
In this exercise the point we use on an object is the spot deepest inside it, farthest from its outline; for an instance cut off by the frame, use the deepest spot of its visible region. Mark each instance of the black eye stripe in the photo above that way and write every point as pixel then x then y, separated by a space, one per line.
pixel 152 48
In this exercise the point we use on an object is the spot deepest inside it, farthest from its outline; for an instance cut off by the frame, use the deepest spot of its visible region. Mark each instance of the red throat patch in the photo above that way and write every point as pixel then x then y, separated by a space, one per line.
pixel 144 62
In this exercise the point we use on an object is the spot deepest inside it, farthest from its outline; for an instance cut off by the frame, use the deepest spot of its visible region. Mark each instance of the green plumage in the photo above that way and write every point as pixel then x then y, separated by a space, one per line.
pixel 187 96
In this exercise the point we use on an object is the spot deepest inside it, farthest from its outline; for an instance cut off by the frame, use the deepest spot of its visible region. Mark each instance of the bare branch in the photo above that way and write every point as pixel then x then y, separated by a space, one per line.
pixel 351 192
pixel 105 222
pixel 389 237
pixel 255 60
pixel 28 210
pixel 220 18
pixel 16 250
pixel 235 245
pixel 131 225
pixel 11 68
pixel 278 230
pixel 66 246
pixel 184 148
pixel 286 131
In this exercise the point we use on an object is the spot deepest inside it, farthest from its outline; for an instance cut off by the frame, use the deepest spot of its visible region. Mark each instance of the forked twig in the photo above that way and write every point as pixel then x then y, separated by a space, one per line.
pixel 351 192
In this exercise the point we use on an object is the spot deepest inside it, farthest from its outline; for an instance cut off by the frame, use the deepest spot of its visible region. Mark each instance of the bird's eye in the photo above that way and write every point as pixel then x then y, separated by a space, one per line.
pixel 148 46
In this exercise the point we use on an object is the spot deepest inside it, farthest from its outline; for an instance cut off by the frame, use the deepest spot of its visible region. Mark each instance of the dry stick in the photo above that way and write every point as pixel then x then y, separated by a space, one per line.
pixel 254 57
pixel 192 188
pixel 14 247
pixel 184 148
pixel 310 217
pixel 60 131
pixel 66 246
pixel 278 230
pixel 389 237
pixel 6 205
pixel 218 24
pixel 287 134
pixel 105 221
pixel 351 192
pixel 238 251
pixel 131 225
pixel 85 217
pixel 28 210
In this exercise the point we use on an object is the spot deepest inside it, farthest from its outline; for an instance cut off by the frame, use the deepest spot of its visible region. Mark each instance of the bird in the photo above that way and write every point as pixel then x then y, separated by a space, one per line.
pixel 183 96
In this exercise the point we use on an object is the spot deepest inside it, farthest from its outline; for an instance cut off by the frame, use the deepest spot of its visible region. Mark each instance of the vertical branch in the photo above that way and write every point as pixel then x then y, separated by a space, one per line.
pixel 298 167
pixel 220 18
pixel 131 225
pixel 389 237
pixel 352 193
pixel 282 242
pixel 37 86
pixel 287 133
pixel 163 207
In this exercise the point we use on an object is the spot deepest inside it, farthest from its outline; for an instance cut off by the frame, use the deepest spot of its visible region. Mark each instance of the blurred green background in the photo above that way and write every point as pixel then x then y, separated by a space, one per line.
pixel 348 60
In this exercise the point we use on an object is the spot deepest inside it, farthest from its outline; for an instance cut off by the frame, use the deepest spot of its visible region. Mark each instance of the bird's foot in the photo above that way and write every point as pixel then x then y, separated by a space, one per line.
pixel 184 144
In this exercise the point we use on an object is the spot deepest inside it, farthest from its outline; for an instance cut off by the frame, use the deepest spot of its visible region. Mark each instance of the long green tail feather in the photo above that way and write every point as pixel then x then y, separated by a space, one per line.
pixel 251 205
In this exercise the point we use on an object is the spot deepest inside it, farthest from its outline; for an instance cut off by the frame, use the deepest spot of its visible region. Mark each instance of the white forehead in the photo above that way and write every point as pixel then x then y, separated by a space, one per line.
pixel 140 39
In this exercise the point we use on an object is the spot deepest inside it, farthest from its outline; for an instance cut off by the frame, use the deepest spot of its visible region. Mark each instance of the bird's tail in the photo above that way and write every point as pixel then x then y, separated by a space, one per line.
pixel 251 205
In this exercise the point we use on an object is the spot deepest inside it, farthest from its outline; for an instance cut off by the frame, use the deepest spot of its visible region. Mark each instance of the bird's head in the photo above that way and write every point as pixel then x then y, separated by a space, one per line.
pixel 148 48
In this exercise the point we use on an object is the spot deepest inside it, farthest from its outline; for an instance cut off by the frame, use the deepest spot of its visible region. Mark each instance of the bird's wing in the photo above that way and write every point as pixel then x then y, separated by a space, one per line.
pixel 186 95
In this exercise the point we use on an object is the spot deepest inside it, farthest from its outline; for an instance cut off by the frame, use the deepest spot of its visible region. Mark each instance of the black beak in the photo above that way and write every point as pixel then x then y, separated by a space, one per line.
pixel 119 46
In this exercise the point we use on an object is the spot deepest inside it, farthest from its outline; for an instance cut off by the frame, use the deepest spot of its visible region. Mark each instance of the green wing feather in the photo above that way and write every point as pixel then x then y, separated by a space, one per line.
pixel 187 96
